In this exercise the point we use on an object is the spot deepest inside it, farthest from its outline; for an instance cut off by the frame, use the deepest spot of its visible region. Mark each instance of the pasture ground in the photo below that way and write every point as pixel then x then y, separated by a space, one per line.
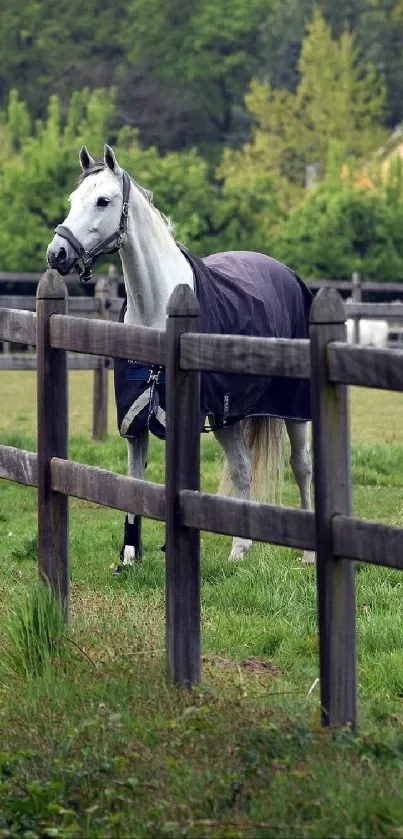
pixel 101 746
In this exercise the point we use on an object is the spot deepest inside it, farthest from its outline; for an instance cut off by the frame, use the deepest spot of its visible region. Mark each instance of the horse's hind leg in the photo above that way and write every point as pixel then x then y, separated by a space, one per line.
pixel 301 466
pixel 132 548
pixel 239 461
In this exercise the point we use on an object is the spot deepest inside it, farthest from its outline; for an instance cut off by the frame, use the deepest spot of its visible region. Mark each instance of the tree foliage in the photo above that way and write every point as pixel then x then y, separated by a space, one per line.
pixel 217 107
pixel 338 99
pixel 376 24
pixel 339 228
pixel 181 69
pixel 210 48
pixel 36 180
pixel 39 171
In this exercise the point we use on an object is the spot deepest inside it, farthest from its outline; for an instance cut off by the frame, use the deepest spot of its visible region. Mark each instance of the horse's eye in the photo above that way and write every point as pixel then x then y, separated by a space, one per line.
pixel 102 202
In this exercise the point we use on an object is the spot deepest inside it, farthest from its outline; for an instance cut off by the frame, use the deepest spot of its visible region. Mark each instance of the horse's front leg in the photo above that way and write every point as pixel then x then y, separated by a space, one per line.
pixel 132 548
pixel 301 466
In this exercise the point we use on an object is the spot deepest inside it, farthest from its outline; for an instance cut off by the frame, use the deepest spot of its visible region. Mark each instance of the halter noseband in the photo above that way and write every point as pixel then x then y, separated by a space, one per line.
pixel 89 258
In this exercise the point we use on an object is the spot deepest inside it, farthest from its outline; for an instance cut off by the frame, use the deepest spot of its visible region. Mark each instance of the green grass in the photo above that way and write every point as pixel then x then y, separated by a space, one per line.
pixel 33 635
pixel 100 745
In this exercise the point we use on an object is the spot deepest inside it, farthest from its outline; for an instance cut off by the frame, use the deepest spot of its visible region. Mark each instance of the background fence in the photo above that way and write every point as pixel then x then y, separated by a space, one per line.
pixel 338 538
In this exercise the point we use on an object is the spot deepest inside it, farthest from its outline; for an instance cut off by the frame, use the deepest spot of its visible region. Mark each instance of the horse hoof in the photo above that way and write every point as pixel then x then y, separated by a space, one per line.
pixel 308 558
pixel 120 569
pixel 239 549
pixel 129 555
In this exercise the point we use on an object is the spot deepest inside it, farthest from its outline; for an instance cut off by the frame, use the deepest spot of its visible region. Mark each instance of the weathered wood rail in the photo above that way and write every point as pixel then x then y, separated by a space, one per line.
pixel 79 306
pixel 337 537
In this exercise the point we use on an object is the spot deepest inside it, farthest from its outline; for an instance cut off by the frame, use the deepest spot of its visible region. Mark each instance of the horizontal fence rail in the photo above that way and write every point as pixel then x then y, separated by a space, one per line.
pixel 33 277
pixel 74 362
pixel 365 366
pixel 365 287
pixel 368 541
pixel 287 526
pixel 385 311
pixel 83 305
pixel 108 489
pixel 20 277
pixel 19 465
pixel 241 354
pixel 17 326
pixel 107 339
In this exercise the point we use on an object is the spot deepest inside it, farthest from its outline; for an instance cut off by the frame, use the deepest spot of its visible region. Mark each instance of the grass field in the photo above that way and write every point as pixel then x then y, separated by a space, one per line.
pixel 99 745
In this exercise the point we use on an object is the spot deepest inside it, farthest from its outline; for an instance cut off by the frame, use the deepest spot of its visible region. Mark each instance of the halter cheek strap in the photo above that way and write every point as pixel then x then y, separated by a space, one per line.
pixel 88 258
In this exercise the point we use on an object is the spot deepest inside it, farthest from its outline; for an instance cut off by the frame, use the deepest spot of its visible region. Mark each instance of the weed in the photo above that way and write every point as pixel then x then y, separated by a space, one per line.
pixel 33 634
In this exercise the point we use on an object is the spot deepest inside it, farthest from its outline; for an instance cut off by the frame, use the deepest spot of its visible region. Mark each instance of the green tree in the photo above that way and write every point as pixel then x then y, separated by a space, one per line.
pixel 376 24
pixel 43 52
pixel 36 180
pixel 338 98
pixel 210 49
pixel 338 229
pixel 18 121
pixel 181 68
pixel 272 156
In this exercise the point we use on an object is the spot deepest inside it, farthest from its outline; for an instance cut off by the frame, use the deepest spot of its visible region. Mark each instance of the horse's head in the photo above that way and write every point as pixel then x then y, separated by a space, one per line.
pixel 97 219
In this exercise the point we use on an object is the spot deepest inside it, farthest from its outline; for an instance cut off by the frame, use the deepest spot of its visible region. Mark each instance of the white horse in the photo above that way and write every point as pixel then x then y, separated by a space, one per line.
pixel 108 211
pixel 373 333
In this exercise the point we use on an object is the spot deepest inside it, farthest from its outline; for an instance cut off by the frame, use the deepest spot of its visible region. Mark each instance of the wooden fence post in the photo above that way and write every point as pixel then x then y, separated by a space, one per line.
pixel 335 576
pixel 356 294
pixel 101 372
pixel 52 412
pixel 182 554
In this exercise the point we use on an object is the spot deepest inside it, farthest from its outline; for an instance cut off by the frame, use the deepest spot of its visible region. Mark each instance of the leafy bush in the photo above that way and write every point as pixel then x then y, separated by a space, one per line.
pixel 338 229
pixel 40 169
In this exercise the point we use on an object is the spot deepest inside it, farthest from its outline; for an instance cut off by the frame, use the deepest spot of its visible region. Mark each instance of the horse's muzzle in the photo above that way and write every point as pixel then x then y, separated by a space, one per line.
pixel 61 258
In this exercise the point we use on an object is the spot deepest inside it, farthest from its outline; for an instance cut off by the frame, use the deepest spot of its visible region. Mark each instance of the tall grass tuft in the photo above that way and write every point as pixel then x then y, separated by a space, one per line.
pixel 33 635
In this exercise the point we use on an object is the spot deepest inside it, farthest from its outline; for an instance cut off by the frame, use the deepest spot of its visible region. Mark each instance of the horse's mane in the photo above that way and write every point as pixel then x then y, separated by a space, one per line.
pixel 99 165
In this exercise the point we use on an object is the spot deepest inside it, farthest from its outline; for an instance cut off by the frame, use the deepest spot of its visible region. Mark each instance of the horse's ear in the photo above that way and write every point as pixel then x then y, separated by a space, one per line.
pixel 85 159
pixel 110 160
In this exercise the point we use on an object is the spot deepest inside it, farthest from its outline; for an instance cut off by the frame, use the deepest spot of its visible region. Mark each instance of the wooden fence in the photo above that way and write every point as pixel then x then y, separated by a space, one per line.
pixel 338 538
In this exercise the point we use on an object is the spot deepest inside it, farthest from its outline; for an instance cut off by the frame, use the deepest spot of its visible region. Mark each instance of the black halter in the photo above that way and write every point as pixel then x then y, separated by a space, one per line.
pixel 89 258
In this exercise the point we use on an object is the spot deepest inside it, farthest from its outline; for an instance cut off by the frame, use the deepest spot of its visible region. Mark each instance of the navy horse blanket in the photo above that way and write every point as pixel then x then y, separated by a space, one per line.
pixel 240 293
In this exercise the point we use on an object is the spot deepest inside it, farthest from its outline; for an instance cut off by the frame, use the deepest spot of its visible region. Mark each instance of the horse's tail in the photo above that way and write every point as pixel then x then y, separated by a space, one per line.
pixel 265 436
